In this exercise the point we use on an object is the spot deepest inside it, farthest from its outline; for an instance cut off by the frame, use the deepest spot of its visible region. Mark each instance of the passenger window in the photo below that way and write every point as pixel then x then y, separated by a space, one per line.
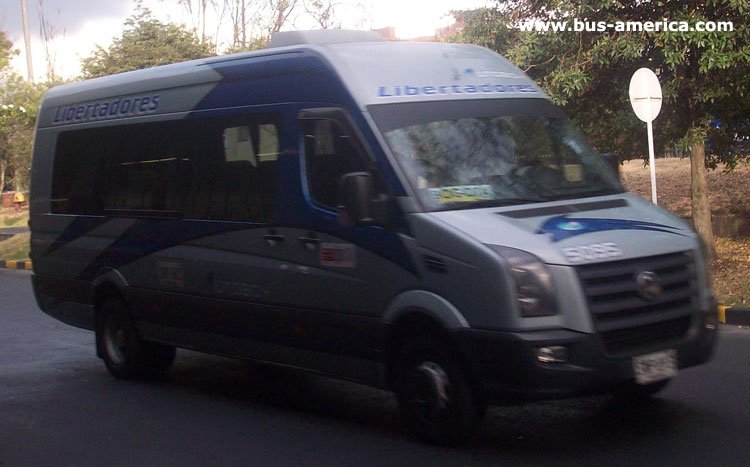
pixel 237 145
pixel 212 169
pixel 268 146
pixel 78 184
pixel 239 184
pixel 330 152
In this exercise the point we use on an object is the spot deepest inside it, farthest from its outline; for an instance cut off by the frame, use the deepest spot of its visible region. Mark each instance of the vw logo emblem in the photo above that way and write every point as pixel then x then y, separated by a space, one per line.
pixel 648 284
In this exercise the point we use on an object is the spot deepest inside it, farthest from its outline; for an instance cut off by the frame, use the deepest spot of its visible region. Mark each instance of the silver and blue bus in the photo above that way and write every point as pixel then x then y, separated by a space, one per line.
pixel 412 216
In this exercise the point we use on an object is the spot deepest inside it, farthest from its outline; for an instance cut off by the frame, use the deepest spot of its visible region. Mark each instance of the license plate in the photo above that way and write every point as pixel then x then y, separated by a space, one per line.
pixel 655 366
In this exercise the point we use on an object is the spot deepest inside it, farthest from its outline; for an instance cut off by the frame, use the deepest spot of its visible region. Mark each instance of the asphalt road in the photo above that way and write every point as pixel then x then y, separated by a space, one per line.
pixel 59 407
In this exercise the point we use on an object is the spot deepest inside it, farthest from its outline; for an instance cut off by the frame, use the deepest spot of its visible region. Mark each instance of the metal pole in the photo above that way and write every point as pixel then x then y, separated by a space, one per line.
pixel 651 161
pixel 27 40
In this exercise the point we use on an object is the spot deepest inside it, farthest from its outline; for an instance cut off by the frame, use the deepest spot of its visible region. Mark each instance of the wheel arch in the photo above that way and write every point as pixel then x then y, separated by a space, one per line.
pixel 111 284
pixel 418 313
pixel 429 303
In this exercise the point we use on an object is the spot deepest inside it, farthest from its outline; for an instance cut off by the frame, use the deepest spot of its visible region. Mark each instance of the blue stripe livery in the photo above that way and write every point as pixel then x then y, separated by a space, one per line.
pixel 564 227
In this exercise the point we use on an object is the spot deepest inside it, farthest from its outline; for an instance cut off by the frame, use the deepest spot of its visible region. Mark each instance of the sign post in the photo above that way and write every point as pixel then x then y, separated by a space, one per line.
pixel 645 97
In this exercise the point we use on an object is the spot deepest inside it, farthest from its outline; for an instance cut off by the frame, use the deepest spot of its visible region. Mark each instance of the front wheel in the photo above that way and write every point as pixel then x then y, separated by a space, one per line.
pixel 435 400
pixel 125 355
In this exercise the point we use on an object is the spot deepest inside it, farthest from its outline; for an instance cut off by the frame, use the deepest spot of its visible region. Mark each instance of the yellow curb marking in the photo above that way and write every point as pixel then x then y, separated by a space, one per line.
pixel 722 313
pixel 10 264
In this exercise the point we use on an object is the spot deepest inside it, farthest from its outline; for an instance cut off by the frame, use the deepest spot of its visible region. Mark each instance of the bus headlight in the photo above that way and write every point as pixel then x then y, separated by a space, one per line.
pixel 535 293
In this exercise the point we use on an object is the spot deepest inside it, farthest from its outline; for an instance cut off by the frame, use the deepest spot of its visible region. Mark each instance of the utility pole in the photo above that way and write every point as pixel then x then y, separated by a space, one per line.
pixel 244 38
pixel 27 40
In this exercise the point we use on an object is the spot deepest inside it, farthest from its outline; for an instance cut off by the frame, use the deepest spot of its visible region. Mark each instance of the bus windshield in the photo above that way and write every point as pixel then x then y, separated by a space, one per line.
pixel 469 154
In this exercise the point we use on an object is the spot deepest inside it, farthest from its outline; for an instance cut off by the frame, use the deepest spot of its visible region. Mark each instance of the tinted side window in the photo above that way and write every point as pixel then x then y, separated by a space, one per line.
pixel 220 169
pixel 78 182
pixel 144 168
pixel 329 153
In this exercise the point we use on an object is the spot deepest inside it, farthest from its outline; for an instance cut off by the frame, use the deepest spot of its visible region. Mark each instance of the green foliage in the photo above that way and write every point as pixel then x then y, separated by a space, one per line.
pixel 145 42
pixel 704 75
pixel 15 221
pixel 486 27
pixel 19 107
pixel 20 92
pixel 6 52
pixel 15 248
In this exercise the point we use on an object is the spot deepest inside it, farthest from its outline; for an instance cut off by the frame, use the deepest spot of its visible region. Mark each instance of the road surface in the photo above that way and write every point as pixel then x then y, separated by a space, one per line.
pixel 58 406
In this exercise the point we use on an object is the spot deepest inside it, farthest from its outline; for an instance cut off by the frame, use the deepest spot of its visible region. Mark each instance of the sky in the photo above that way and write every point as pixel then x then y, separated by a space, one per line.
pixel 80 25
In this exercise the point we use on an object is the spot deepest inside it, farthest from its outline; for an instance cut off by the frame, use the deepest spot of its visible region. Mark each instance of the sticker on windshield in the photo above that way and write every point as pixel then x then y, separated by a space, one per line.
pixel 462 194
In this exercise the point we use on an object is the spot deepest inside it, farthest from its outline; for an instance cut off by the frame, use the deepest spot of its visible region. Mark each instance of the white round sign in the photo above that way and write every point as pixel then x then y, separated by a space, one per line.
pixel 645 94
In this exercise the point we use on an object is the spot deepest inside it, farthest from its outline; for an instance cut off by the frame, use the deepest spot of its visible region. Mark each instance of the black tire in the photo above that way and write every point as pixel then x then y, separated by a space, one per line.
pixel 637 392
pixel 434 397
pixel 125 355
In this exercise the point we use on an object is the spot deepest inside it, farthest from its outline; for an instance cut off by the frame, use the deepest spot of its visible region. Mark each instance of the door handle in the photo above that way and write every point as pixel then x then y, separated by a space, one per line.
pixel 310 242
pixel 273 239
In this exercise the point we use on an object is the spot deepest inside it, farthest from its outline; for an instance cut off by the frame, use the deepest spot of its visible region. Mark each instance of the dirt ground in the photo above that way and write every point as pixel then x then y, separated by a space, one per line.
pixel 728 194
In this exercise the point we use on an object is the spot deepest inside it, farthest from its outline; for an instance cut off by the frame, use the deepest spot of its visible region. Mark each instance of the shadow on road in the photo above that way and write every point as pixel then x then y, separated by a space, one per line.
pixel 539 431
pixel 287 389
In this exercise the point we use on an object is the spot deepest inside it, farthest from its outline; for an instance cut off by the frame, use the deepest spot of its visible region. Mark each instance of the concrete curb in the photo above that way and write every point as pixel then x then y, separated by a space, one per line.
pixel 25 265
pixel 732 315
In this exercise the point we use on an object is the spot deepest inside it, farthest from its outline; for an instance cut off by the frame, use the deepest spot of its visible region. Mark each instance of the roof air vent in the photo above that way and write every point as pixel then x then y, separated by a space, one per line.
pixel 323 36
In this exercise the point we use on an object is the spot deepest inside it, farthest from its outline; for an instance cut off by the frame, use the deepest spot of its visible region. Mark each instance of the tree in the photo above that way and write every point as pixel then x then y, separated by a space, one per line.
pixel 255 21
pixel 6 52
pixel 197 10
pixel 8 115
pixel 703 74
pixel 48 31
pixel 238 12
pixel 14 133
pixel 323 12
pixel 145 42
pixel 19 106
pixel 279 10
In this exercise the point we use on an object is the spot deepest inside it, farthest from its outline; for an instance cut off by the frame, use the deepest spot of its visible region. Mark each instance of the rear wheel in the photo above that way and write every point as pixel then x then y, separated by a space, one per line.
pixel 435 400
pixel 125 355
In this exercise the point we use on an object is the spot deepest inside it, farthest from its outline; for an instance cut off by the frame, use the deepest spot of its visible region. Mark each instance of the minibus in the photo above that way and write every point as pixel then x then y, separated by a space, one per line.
pixel 418 217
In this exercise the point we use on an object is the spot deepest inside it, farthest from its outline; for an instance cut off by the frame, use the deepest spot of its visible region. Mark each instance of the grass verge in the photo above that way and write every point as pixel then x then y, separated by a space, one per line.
pixel 11 218
pixel 15 248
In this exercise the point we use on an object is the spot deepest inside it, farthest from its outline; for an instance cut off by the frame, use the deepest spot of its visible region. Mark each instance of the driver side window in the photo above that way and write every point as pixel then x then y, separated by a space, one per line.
pixel 329 154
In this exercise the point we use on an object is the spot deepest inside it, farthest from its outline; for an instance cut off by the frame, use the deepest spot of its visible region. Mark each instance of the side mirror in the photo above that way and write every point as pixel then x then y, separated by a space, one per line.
pixel 359 203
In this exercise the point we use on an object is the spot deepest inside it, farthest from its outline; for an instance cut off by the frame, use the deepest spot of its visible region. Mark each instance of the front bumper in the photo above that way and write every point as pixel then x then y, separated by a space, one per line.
pixel 504 367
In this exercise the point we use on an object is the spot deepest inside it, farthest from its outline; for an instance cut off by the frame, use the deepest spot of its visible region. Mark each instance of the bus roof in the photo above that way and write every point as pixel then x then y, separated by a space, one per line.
pixel 373 72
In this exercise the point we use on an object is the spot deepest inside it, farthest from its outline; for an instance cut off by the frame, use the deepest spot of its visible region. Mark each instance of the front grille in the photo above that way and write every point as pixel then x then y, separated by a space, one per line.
pixel 625 320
